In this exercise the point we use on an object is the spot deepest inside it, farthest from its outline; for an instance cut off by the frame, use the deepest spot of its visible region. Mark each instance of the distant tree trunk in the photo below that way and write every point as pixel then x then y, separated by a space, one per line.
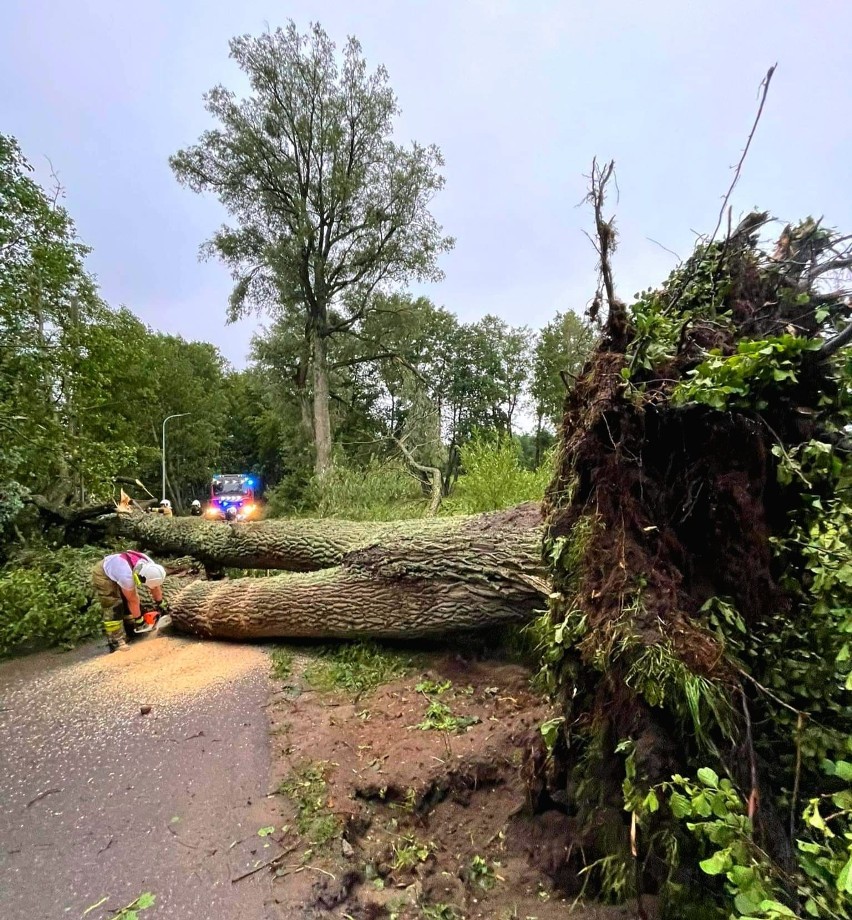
pixel 538 422
pixel 301 381
pixel 322 417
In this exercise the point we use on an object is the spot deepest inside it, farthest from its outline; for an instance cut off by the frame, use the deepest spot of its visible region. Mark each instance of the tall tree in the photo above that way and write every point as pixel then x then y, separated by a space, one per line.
pixel 327 208
pixel 562 348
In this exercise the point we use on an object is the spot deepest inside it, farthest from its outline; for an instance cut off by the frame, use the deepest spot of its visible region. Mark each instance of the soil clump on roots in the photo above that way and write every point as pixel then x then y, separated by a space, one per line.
pixel 681 479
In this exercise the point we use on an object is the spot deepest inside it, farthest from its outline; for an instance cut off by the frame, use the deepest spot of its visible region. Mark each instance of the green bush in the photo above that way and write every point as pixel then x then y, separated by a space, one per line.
pixel 494 478
pixel 381 491
pixel 46 600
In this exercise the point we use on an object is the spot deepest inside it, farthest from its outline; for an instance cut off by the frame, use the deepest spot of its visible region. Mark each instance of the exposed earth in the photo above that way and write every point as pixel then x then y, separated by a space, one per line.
pixel 308 794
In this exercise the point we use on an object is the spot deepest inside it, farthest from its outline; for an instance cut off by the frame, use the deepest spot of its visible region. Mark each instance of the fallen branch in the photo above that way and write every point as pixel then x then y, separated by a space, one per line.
pixel 267 864
pixel 764 86
pixel 42 795
pixel 835 344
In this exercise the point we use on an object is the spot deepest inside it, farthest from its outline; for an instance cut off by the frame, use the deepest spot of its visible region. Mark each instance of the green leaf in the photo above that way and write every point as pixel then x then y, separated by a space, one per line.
pixel 550 732
pixel 717 863
pixel 652 803
pixel 145 900
pixel 776 906
pixel 844 878
pixel 709 777
pixel 746 904
pixel 701 806
pixel 266 831
pixel 679 805
pixel 843 770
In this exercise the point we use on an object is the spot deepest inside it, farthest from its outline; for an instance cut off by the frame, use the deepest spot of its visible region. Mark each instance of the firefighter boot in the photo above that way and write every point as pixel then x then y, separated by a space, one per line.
pixel 116 639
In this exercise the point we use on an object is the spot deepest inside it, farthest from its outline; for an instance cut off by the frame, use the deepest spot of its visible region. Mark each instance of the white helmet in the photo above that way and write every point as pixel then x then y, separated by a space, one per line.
pixel 165 503
pixel 196 503
pixel 150 574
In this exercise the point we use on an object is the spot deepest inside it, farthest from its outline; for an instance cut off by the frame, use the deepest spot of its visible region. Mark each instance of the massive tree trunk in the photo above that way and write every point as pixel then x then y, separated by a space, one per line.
pixel 403 579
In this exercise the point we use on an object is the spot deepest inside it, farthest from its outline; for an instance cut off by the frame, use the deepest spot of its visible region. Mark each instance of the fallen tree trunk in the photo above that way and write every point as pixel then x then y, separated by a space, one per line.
pixel 408 579
pixel 347 603
pixel 310 545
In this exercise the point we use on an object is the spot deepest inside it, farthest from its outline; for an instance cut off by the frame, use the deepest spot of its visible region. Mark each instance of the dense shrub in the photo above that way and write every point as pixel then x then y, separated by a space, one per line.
pixel 378 492
pixel 494 477
pixel 46 600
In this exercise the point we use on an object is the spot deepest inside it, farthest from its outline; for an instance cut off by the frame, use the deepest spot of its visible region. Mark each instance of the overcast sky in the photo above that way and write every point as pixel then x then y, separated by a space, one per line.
pixel 519 95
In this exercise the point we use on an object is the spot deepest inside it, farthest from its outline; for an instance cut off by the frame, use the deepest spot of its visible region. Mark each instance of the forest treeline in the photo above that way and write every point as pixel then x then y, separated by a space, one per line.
pixel 85 386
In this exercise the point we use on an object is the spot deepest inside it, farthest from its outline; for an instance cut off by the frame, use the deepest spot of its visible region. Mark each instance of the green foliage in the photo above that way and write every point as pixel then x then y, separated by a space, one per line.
pixel 379 492
pixel 282 662
pixel 440 912
pixel 754 886
pixel 409 852
pixel 345 208
pixel 739 380
pixel 482 873
pixel 78 381
pixel 697 289
pixel 46 600
pixel 131 911
pixel 439 718
pixel 433 687
pixel 356 667
pixel 562 346
pixel 493 478
pixel 307 789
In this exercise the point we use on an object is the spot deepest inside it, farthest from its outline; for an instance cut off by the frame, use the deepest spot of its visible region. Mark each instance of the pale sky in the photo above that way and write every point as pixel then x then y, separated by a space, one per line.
pixel 519 96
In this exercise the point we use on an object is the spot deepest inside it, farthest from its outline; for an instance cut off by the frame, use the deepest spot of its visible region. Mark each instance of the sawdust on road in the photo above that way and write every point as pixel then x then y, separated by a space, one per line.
pixel 99 801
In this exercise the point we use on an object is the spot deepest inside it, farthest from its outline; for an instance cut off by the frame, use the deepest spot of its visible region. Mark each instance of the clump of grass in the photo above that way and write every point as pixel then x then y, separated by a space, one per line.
pixel 356 667
pixel 439 718
pixel 306 788
pixel 432 687
pixel 282 662
pixel 481 873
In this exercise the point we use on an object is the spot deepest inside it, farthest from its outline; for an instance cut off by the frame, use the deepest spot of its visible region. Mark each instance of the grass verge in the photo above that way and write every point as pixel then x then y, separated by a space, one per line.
pixel 356 667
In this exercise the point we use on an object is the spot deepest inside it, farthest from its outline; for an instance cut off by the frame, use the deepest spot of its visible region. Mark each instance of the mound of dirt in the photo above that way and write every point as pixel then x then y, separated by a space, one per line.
pixel 431 822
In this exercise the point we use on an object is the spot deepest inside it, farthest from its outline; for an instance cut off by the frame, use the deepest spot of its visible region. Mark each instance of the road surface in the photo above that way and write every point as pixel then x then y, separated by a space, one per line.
pixel 99 803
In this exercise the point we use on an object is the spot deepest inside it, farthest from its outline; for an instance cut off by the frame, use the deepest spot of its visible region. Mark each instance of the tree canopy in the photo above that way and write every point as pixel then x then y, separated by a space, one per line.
pixel 328 209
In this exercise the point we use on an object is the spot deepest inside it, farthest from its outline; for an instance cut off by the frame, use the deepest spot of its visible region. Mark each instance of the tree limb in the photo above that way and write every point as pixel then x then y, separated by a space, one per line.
pixel 765 89
pixel 834 345
pixel 434 474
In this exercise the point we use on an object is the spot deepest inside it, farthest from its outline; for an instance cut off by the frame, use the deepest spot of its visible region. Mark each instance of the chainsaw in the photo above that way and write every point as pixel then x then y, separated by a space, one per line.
pixel 153 620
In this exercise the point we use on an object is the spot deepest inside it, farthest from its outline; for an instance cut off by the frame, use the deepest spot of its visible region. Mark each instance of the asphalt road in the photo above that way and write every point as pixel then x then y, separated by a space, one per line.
pixel 98 801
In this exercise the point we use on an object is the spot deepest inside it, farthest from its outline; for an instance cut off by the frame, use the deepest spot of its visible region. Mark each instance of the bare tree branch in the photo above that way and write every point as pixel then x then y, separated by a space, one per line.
pixel 764 89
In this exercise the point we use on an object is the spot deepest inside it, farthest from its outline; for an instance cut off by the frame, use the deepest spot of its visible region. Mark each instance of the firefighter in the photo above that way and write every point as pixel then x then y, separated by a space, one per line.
pixel 116 579
pixel 166 507
pixel 195 508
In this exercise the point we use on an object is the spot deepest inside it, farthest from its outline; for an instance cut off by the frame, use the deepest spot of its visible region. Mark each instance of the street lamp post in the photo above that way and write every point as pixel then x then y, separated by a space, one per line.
pixel 166 419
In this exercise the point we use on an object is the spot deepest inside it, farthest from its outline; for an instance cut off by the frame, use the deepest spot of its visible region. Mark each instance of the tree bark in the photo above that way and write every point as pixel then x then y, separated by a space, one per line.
pixel 402 579
pixel 349 603
pixel 322 417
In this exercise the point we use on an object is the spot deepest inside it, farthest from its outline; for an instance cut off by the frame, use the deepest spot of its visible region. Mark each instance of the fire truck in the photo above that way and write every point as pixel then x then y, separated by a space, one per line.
pixel 233 498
